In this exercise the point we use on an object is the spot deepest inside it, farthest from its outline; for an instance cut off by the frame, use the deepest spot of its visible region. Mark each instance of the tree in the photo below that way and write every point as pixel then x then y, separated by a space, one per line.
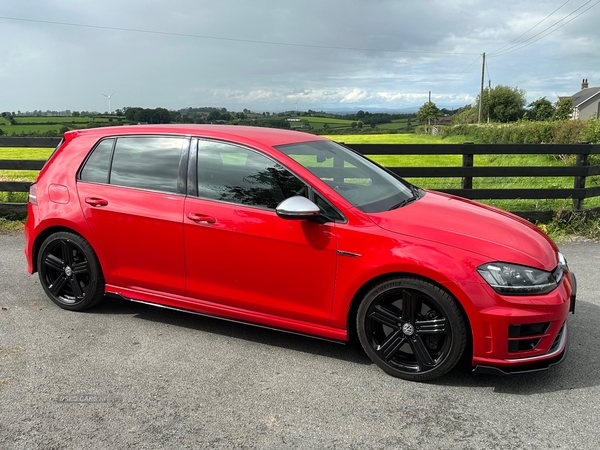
pixel 213 116
pixel 563 109
pixel 428 112
pixel 541 109
pixel 466 114
pixel 130 113
pixel 159 115
pixel 143 115
pixel 503 104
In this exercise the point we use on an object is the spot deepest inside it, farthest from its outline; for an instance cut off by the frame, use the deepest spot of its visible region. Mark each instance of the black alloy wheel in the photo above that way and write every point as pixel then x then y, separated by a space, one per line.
pixel 70 272
pixel 411 328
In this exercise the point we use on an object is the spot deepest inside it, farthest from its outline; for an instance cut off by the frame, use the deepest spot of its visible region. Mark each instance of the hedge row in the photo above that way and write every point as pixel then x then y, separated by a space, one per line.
pixel 523 132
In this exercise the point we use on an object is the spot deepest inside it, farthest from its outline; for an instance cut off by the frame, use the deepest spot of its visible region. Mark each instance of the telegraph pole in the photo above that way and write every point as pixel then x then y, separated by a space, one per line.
pixel 481 90
pixel 489 93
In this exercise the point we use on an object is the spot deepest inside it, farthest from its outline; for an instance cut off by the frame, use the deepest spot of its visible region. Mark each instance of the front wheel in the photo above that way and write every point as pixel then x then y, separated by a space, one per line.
pixel 411 328
pixel 70 272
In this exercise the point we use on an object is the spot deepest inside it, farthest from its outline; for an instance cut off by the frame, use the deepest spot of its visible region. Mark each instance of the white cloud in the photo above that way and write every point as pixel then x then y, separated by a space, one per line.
pixel 429 43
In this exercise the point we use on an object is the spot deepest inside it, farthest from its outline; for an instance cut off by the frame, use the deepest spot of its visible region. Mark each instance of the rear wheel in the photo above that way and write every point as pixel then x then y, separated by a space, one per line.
pixel 70 272
pixel 411 328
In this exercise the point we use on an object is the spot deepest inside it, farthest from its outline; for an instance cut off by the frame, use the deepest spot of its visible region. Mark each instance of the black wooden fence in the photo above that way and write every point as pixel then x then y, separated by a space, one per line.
pixel 579 172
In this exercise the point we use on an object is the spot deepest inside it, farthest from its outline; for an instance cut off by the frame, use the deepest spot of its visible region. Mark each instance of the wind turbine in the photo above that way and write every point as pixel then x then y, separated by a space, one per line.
pixel 108 97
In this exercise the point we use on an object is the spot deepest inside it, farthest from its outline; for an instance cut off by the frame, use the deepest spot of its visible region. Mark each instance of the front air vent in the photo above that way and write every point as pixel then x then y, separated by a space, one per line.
pixel 526 337
pixel 528 329
pixel 523 345
pixel 558 337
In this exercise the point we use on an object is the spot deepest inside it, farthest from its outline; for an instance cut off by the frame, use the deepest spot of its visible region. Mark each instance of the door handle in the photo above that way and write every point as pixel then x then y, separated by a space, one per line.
pixel 96 201
pixel 201 218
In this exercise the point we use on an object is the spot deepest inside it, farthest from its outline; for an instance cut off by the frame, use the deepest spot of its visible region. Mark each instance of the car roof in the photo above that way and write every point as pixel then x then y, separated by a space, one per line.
pixel 268 136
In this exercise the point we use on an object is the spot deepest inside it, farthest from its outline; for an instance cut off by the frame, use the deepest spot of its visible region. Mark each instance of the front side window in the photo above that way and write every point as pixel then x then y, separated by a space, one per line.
pixel 358 180
pixel 234 174
pixel 143 162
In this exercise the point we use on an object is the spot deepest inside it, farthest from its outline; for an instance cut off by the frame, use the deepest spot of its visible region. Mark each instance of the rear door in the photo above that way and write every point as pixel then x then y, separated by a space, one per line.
pixel 132 193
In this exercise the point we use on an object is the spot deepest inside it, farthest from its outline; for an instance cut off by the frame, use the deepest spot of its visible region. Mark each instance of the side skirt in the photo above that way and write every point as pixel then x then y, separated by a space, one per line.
pixel 231 314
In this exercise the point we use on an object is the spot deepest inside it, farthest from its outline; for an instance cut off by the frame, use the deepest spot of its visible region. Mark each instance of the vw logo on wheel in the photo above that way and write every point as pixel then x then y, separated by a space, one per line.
pixel 408 329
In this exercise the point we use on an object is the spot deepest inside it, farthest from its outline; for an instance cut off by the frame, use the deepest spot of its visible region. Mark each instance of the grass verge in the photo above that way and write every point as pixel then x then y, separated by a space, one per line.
pixel 11 223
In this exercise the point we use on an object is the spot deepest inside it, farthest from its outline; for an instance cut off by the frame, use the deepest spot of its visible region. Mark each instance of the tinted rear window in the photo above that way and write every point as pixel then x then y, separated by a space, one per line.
pixel 143 162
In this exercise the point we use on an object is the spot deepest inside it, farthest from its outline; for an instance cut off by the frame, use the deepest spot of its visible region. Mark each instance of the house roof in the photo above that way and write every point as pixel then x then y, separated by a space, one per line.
pixel 584 95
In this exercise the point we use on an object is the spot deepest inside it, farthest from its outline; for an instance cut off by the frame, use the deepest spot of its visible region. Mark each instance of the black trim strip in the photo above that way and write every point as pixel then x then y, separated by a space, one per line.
pixel 350 254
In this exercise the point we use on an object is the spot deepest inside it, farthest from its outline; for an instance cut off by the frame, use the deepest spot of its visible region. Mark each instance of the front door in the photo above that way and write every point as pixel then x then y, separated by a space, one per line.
pixel 239 253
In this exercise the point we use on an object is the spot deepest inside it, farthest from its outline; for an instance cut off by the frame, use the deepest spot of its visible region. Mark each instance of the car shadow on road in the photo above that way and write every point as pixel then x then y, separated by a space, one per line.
pixel 351 352
pixel 581 368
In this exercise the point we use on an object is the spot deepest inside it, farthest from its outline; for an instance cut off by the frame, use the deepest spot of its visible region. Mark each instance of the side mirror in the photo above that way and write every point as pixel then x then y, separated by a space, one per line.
pixel 297 208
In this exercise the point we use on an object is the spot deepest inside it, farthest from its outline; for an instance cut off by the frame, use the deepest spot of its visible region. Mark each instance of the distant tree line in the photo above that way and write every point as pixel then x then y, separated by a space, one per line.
pixel 147 115
pixel 508 104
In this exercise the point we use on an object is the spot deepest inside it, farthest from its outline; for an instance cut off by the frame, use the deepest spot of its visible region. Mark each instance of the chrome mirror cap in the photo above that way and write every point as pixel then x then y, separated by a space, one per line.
pixel 297 208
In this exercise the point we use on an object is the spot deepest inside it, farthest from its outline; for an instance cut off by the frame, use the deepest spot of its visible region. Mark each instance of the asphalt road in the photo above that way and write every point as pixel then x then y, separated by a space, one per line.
pixel 133 376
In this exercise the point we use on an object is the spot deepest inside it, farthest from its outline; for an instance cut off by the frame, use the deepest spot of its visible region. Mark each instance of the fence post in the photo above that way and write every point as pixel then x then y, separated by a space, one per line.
pixel 467 161
pixel 579 181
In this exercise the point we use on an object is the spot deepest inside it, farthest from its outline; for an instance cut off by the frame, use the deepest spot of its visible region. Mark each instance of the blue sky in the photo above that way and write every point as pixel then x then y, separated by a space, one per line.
pixel 269 55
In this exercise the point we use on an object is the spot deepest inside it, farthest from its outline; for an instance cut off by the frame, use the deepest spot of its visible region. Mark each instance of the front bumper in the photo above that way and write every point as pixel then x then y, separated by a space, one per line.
pixel 534 364
pixel 525 334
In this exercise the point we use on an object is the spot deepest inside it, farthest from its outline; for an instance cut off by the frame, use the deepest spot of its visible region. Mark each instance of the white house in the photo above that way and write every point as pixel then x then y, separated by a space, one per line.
pixel 586 102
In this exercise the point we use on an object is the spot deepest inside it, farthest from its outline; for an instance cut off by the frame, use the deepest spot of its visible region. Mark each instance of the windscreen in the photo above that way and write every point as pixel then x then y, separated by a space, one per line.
pixel 363 183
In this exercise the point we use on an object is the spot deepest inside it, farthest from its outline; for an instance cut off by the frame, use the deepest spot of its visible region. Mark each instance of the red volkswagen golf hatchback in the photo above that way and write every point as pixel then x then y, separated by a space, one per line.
pixel 292 231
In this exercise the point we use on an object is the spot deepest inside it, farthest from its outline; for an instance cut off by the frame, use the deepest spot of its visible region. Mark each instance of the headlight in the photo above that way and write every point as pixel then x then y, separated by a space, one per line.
pixel 513 279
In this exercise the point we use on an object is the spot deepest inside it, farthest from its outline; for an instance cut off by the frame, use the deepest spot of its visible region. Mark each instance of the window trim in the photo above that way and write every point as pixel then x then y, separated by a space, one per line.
pixel 193 176
pixel 181 186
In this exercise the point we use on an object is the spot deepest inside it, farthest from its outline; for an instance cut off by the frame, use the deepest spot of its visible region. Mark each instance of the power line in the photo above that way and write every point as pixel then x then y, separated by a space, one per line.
pixel 526 42
pixel 541 21
pixel 464 70
pixel 220 38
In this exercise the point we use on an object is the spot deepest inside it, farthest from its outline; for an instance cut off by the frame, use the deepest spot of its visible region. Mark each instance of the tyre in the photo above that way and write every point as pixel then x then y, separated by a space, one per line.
pixel 411 328
pixel 70 272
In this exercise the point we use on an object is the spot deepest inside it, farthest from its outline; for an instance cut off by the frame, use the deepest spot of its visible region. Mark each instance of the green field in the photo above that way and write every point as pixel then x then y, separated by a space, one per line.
pixel 329 120
pixel 25 153
pixel 399 161
pixel 61 119
pixel 399 138
pixel 20 175
pixel 318 123
pixel 38 125
pixel 18 129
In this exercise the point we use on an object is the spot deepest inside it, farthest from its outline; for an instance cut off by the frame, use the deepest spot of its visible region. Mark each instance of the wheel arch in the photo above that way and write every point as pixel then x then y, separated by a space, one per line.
pixel 43 235
pixel 360 293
